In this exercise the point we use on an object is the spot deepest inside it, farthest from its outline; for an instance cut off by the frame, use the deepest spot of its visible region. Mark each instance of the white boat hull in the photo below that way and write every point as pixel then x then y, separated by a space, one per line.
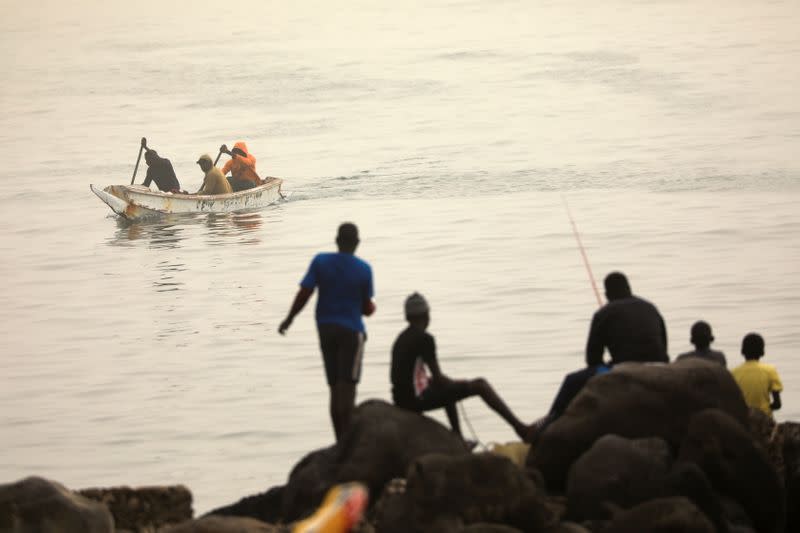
pixel 136 201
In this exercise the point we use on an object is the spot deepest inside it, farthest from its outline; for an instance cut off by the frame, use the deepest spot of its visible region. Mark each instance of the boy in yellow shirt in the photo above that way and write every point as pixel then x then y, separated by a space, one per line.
pixel 758 380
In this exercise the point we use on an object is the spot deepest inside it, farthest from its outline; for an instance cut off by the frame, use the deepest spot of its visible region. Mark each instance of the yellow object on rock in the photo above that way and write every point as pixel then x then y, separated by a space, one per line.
pixel 516 451
pixel 341 509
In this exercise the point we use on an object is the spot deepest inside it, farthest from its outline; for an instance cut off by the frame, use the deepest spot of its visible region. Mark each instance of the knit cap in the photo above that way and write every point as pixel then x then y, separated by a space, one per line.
pixel 416 305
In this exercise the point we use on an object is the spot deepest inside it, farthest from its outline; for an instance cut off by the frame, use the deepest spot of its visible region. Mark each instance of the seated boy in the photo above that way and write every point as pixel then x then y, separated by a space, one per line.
pixel 413 389
pixel 756 379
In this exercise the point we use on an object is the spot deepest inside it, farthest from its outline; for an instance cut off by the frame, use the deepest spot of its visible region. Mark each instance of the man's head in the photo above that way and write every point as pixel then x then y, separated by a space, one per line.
pixel 238 151
pixel 205 162
pixel 752 346
pixel 150 156
pixel 701 334
pixel 417 310
pixel 617 286
pixel 347 238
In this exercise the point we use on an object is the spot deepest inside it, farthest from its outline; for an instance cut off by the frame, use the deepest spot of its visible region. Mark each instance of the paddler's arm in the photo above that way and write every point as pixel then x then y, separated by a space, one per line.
pixel 300 301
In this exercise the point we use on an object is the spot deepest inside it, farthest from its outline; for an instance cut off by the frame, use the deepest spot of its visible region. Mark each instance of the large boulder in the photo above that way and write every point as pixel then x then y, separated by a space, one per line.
pixel 635 401
pixel 616 470
pixel 379 445
pixel 662 515
pixel 737 467
pixel 443 492
pixel 37 504
pixel 224 524
pixel 265 506
pixel 790 432
pixel 143 508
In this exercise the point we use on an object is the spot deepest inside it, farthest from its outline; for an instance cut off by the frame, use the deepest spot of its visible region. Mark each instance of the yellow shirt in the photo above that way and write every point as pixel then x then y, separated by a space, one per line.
pixel 757 380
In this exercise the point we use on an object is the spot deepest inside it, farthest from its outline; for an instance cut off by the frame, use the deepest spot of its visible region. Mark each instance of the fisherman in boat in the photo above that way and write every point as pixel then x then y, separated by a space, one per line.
pixel 214 181
pixel 413 352
pixel 242 166
pixel 160 171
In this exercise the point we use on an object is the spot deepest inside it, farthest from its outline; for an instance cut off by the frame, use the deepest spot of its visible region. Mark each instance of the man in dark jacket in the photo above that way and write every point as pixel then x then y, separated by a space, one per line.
pixel 632 330
pixel 160 171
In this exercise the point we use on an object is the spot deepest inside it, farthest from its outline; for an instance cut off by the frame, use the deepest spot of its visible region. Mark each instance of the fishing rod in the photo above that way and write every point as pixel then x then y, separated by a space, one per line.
pixel 594 288
pixel 583 252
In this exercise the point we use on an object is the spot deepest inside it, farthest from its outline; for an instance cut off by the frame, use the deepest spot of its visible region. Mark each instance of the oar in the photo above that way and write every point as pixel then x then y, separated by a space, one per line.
pixel 222 150
pixel 142 147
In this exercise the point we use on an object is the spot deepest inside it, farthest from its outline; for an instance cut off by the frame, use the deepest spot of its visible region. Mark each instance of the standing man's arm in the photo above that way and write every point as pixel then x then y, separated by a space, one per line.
pixel 306 290
pixel 368 305
pixel 300 301
pixel 594 344
pixel 664 336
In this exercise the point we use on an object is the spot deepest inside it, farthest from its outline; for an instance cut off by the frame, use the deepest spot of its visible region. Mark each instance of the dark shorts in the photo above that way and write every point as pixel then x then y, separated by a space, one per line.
pixel 436 397
pixel 342 350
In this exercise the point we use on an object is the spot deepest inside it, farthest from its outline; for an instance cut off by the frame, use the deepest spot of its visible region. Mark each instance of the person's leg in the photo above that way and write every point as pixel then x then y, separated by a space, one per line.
pixel 350 351
pixel 329 346
pixel 482 388
pixel 452 417
pixel 570 387
pixel 342 402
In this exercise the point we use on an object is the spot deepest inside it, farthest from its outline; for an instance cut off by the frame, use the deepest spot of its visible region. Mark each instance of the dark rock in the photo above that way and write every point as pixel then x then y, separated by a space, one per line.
pixel 35 504
pixel 662 515
pixel 489 528
pixel 736 518
pixel 265 506
pixel 790 433
pixel 474 488
pixel 724 449
pixel 224 524
pixel 618 470
pixel 767 434
pixel 635 401
pixel 380 444
pixel 688 480
pixel 144 507
pixel 308 482
pixel 568 527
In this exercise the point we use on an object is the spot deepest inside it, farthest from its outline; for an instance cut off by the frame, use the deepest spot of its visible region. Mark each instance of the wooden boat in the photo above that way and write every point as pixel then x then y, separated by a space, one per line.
pixel 137 201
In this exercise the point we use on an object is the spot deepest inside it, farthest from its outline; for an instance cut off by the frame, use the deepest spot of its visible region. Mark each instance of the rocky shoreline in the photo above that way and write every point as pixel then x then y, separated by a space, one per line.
pixel 643 448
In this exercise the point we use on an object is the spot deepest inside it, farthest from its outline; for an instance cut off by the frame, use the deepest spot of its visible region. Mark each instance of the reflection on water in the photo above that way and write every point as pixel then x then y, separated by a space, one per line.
pixel 170 231
pixel 169 270
pixel 224 226
pixel 162 233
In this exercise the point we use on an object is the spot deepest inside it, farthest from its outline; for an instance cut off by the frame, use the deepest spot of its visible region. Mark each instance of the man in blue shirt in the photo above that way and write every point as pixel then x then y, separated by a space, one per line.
pixel 345 293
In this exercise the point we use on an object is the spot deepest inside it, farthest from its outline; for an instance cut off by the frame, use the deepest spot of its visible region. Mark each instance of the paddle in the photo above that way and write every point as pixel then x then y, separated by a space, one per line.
pixel 142 147
pixel 222 150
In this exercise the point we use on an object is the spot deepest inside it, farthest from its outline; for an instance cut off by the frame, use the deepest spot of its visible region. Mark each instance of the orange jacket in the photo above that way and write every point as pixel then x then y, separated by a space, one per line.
pixel 242 168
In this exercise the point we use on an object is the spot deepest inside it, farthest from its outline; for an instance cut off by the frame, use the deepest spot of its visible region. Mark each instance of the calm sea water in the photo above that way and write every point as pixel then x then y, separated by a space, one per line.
pixel 452 133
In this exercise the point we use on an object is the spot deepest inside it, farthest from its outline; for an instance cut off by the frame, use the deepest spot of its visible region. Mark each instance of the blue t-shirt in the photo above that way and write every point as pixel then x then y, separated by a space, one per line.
pixel 344 282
